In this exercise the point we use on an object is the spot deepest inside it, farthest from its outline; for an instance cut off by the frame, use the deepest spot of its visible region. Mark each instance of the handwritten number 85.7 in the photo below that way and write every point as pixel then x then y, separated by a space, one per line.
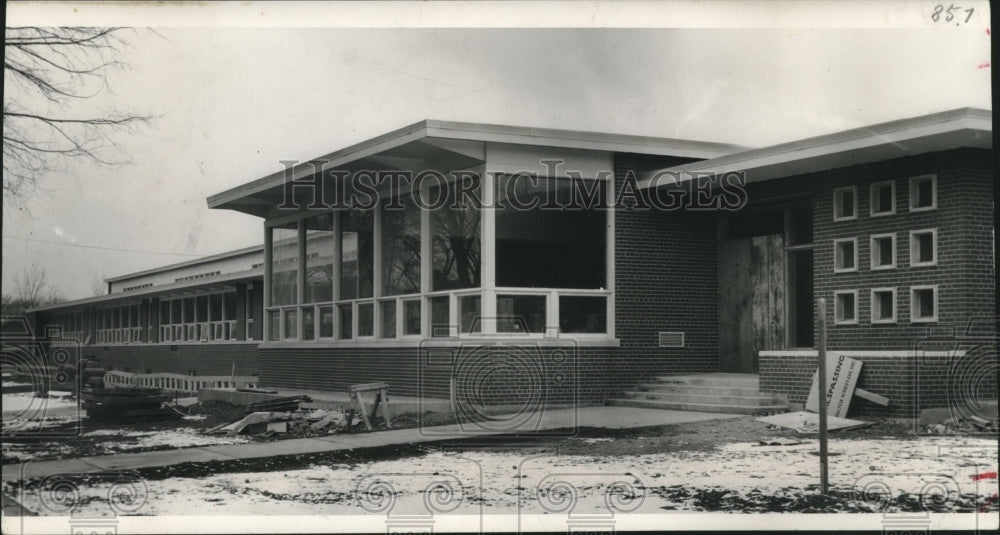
pixel 949 15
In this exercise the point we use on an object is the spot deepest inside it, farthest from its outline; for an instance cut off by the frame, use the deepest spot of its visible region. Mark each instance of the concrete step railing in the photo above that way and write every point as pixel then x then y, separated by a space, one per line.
pixel 178 382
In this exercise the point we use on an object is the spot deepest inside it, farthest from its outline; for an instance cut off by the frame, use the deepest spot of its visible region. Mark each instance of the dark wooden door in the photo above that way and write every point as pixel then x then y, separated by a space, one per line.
pixel 751 300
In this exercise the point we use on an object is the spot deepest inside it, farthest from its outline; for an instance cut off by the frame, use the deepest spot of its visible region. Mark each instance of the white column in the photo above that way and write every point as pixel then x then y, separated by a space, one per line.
pixel 487 240
pixel 610 255
pixel 426 262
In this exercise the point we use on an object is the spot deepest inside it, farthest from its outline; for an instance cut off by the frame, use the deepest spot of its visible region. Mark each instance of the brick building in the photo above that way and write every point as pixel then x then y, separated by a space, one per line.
pixel 568 267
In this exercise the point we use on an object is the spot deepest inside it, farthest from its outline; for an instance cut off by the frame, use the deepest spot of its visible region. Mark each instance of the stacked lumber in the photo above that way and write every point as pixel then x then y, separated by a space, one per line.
pixel 127 404
pixel 282 404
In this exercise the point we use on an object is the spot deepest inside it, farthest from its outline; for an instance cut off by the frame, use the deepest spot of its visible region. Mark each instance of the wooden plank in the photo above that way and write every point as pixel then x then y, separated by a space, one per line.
pixel 734 303
pixel 368 387
pixel 871 396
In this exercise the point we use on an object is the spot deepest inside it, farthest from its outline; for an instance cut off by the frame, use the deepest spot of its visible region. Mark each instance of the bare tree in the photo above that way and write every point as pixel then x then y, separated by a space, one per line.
pixel 97 285
pixel 31 289
pixel 46 72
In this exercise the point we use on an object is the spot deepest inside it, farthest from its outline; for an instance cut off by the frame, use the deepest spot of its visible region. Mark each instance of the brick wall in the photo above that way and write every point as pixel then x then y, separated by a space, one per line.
pixel 666 279
pixel 522 374
pixel 205 359
pixel 964 275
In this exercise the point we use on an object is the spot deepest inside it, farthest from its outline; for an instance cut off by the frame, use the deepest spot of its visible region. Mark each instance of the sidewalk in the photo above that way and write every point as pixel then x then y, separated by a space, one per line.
pixel 604 417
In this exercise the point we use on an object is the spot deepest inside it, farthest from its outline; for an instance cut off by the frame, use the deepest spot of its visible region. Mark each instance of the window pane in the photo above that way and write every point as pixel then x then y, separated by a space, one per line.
pixel 284 264
pixel 520 313
pixel 175 312
pixel 274 323
pixel 925 247
pixel 366 319
pixel 545 246
pixel 583 314
pixel 455 235
pixel 319 259
pixel 846 203
pixel 388 312
pixel 411 317
pixel 346 322
pixel 201 312
pixel 470 305
pixel 291 320
pixel 357 250
pixel 883 199
pixel 326 322
pixel 440 320
pixel 846 302
pixel 215 307
pixel 925 193
pixel 229 305
pixel 885 305
pixel 885 252
pixel 308 323
pixel 188 310
pixel 401 248
pixel 925 303
pixel 845 255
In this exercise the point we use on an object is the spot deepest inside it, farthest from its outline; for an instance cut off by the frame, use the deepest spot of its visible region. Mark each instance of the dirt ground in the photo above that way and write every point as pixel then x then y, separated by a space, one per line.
pixel 673 459
pixel 103 438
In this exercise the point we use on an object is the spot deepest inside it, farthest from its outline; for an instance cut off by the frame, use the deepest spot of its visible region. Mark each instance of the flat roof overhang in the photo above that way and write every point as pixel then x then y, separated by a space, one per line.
pixel 963 127
pixel 176 289
pixel 445 146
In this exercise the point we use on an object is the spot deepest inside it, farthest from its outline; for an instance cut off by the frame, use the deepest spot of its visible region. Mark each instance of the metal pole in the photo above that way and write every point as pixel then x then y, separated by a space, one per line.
pixel 822 387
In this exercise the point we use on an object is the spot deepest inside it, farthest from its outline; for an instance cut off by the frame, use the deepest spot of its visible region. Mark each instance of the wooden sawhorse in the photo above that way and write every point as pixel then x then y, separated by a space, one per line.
pixel 358 405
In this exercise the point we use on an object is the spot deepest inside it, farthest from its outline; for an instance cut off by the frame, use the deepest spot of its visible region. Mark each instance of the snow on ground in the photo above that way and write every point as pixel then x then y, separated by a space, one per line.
pixel 26 402
pixel 128 441
pixel 509 482
pixel 180 437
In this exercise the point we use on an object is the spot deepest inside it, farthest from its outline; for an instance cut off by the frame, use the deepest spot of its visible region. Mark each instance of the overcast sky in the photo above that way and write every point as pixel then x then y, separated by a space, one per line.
pixel 235 101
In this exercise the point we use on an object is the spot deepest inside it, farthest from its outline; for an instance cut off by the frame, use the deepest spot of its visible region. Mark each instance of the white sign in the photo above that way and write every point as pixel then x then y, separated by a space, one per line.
pixel 842 375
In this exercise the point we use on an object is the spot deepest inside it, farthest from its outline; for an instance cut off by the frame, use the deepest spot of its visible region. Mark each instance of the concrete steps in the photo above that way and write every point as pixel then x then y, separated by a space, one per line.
pixel 730 393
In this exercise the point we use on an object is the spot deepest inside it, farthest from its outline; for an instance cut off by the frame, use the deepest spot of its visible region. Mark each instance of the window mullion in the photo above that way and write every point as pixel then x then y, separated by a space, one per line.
pixel 426 260
pixel 300 277
pixel 488 224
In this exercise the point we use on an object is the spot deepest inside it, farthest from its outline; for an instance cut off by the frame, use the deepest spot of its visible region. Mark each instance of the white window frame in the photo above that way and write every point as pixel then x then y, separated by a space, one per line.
pixel 873 256
pixel 913 303
pixel 837 200
pixel 836 248
pixel 914 262
pixel 487 289
pixel 837 312
pixel 875 305
pixel 913 188
pixel 872 197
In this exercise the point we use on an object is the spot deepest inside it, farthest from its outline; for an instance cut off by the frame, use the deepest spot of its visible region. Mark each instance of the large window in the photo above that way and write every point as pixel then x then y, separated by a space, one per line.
pixel 401 247
pixel 284 264
pixel 455 235
pixel 550 233
pixel 319 259
pixel 357 246
pixel 413 266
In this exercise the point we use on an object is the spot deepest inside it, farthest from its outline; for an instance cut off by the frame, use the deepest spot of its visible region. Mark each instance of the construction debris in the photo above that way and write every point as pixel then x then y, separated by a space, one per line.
pixel 127 404
pixel 295 423
pixel 283 404
pixel 871 396
pixel 779 441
